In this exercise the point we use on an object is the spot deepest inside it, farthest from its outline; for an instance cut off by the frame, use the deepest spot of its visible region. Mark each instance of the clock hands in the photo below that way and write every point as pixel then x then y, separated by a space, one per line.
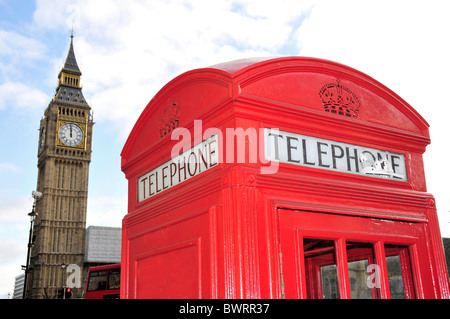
pixel 71 134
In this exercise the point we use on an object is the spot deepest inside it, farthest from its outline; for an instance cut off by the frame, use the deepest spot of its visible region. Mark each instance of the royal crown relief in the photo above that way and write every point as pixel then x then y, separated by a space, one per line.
pixel 339 99
pixel 170 119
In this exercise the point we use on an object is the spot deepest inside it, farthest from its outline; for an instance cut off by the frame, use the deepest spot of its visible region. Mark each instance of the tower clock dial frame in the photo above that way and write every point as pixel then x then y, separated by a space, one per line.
pixel 71 134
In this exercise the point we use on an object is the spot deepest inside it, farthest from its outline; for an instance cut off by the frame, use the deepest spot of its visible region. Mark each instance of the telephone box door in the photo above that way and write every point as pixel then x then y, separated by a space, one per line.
pixel 330 256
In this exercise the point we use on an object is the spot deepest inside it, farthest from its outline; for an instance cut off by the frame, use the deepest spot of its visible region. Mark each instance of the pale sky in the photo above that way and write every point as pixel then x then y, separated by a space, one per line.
pixel 128 50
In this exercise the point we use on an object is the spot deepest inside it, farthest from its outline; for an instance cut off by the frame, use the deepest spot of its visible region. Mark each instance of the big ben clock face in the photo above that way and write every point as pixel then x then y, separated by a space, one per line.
pixel 71 134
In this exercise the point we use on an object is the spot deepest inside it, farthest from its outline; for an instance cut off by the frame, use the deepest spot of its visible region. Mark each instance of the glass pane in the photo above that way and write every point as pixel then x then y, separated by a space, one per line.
pixel 330 286
pixel 97 280
pixel 358 276
pixel 399 272
pixel 395 277
pixel 320 269
pixel 114 279
pixel 362 271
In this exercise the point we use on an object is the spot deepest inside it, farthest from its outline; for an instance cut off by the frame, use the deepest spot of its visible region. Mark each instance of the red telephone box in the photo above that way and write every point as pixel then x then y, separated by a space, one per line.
pixel 279 178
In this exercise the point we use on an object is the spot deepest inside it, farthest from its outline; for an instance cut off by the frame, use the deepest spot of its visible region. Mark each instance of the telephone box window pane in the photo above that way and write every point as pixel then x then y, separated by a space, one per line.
pixel 330 285
pixel 399 272
pixel 362 271
pixel 358 275
pixel 395 277
pixel 320 269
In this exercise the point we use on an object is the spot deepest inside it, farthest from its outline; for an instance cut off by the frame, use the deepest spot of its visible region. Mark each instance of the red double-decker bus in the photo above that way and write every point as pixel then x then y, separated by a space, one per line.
pixel 103 282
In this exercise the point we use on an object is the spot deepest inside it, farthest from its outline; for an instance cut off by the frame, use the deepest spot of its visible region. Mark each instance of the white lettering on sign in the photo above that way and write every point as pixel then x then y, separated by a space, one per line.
pixel 190 163
pixel 315 152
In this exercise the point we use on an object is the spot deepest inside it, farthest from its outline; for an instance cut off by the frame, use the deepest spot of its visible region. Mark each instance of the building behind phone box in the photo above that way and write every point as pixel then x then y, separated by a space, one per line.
pixel 279 178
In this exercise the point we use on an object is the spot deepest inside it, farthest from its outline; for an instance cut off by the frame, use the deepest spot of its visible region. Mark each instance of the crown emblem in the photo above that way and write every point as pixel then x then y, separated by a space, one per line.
pixel 339 99
pixel 170 119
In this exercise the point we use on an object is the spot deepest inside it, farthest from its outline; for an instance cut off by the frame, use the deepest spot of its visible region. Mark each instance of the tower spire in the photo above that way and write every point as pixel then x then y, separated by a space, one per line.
pixel 71 65
pixel 69 84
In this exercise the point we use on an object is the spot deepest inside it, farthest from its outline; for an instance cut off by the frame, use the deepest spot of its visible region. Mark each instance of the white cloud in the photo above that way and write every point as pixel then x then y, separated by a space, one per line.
pixel 106 211
pixel 13 208
pixel 12 250
pixel 53 14
pixel 16 52
pixel 22 48
pixel 19 96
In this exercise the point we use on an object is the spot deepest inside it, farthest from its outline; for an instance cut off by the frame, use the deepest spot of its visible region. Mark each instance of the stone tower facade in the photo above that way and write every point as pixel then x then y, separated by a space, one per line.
pixel 64 155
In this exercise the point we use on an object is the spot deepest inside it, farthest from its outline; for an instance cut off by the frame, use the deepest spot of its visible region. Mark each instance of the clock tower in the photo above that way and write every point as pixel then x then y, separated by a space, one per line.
pixel 64 154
